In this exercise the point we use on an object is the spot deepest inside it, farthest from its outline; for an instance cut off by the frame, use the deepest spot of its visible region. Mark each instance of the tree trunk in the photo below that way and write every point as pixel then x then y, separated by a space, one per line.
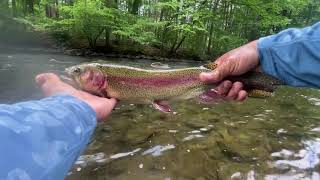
pixel 135 7
pixel 214 10
pixel 69 2
pixel 108 36
pixel 25 8
pixel 14 8
pixel 309 16
pixel 4 5
pixel 210 38
pixel 30 6
pixel 174 44
pixel 116 4
pixel 179 44
pixel 111 3
pixel 161 14
pixel 52 11
pixel 56 9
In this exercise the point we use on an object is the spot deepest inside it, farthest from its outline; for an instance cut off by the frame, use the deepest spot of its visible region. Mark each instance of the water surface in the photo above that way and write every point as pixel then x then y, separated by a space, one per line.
pixel 274 138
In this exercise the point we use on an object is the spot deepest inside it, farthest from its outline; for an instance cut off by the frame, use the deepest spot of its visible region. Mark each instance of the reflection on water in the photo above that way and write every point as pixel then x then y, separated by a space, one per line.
pixel 306 158
pixel 300 165
pixel 157 150
pixel 274 139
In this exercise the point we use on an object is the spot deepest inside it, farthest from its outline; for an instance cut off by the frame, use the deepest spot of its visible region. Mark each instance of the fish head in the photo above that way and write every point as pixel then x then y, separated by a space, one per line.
pixel 89 77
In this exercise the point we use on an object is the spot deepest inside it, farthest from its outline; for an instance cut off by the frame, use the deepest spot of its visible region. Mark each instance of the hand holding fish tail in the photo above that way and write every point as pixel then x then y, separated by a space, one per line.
pixel 233 63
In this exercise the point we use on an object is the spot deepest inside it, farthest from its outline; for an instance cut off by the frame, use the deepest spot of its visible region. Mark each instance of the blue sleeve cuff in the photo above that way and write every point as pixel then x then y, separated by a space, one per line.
pixel 266 62
pixel 292 56
pixel 41 139
pixel 88 115
pixel 67 104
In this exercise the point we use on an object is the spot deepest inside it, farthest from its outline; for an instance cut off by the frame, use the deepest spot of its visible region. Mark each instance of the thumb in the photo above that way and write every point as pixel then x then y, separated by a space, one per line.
pixel 218 74
pixel 105 107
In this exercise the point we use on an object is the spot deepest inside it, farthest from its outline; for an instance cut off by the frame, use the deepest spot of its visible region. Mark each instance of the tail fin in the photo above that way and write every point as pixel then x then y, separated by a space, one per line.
pixel 257 84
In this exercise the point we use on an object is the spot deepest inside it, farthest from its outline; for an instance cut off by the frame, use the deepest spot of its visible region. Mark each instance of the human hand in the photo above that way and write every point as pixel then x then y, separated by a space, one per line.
pixel 233 63
pixel 51 84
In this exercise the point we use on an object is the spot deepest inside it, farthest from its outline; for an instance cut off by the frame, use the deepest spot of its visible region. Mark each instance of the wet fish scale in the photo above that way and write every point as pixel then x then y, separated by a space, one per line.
pixel 145 86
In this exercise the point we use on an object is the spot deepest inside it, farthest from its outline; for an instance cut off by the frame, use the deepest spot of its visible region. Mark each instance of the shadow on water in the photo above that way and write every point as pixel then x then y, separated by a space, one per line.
pixel 274 138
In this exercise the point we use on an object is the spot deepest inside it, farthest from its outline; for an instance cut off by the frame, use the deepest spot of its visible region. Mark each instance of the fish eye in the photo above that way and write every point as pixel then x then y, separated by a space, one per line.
pixel 77 70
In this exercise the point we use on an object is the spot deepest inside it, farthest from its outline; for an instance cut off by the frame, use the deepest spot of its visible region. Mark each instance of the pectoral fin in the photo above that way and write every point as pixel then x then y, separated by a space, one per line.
pixel 210 97
pixel 162 106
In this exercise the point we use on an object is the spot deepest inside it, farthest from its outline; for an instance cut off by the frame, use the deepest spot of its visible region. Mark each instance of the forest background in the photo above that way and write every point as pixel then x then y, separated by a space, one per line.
pixel 196 29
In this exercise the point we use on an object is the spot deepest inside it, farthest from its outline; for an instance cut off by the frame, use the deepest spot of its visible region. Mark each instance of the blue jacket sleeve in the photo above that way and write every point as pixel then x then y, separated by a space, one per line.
pixel 42 139
pixel 293 56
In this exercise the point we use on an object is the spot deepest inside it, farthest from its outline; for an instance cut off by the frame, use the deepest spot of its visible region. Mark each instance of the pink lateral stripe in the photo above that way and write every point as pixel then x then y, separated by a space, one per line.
pixel 154 81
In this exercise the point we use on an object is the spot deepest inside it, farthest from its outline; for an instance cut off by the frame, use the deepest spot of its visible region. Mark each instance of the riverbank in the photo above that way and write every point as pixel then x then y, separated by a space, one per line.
pixel 18 34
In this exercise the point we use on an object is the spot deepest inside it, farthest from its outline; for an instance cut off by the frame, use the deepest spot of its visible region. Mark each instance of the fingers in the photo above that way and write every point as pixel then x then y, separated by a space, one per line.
pixel 109 105
pixel 111 102
pixel 45 77
pixel 224 87
pixel 232 91
pixel 103 107
pixel 242 95
pixel 237 93
pixel 234 63
pixel 51 85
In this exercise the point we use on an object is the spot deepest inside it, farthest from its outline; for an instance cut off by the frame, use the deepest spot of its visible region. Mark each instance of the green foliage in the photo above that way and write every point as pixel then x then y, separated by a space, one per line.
pixel 227 42
pixel 203 27
pixel 139 31
pixel 91 19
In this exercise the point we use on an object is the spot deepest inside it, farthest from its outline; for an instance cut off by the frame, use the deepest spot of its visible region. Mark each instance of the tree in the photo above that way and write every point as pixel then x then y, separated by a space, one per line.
pixel 201 27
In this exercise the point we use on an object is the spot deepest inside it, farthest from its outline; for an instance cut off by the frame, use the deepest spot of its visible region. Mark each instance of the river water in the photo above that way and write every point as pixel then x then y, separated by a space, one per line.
pixel 273 138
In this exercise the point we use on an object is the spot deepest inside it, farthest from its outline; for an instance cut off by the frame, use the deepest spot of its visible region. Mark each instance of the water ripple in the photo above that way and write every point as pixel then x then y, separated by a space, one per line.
pixel 293 176
pixel 157 150
pixel 190 137
pixel 315 101
pixel 309 157
pixel 119 155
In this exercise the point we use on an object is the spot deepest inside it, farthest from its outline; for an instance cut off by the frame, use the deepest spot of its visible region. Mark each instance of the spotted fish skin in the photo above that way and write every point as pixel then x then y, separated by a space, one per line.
pixel 144 85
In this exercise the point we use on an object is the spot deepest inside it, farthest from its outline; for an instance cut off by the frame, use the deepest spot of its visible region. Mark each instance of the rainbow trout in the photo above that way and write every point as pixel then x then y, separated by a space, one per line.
pixel 158 86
